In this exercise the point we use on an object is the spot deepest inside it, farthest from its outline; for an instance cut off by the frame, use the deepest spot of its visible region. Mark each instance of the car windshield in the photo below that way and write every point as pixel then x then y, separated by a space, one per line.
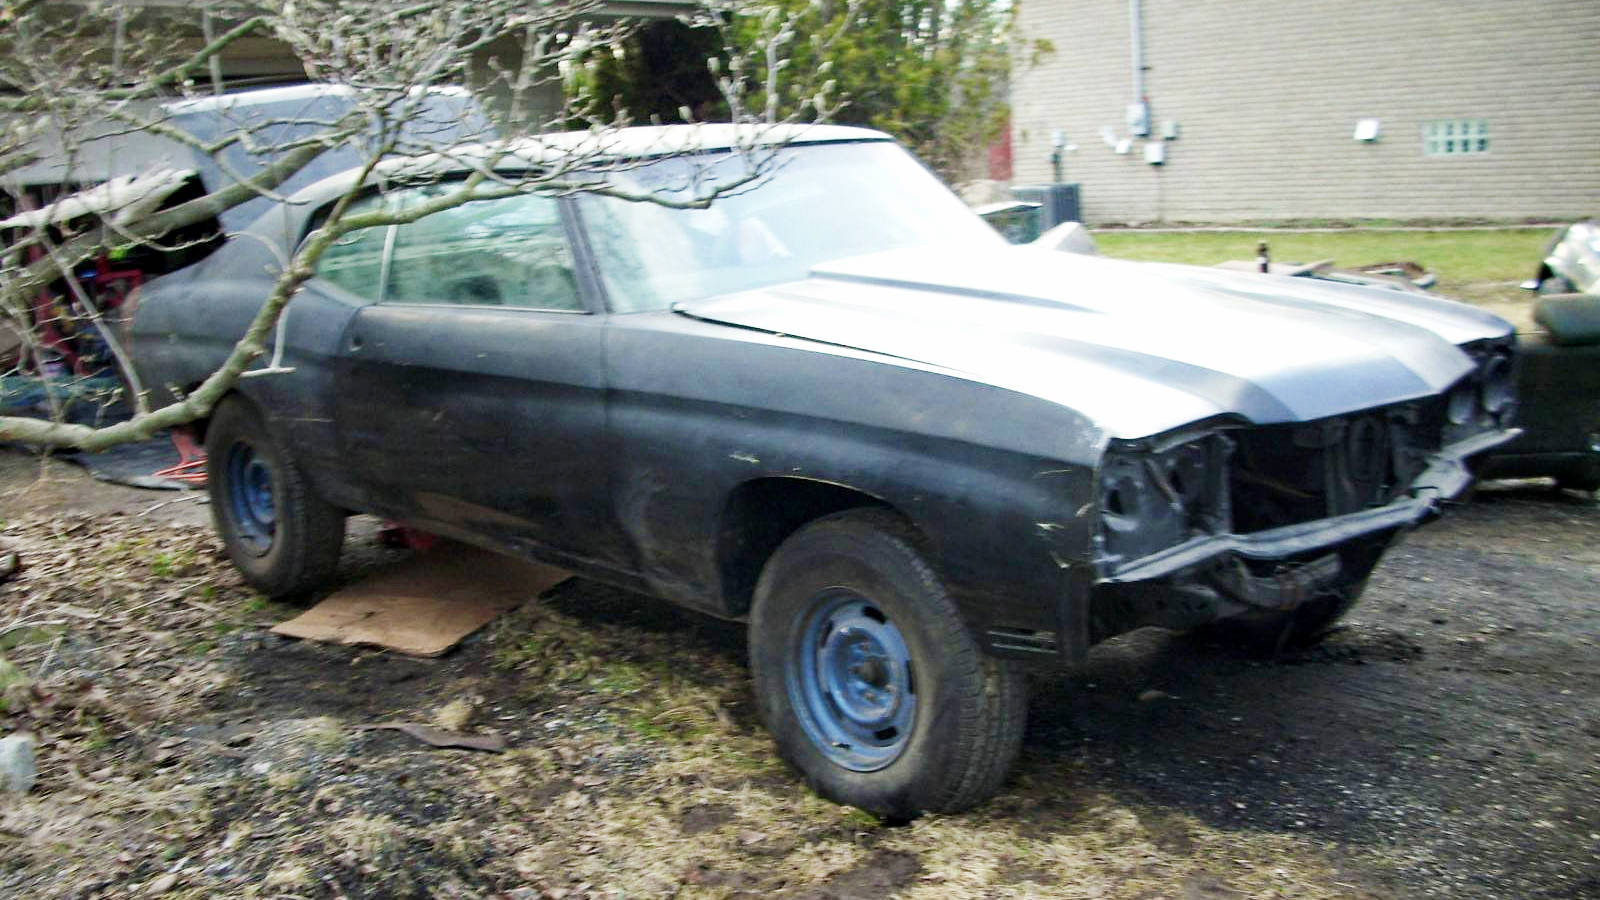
pixel 824 202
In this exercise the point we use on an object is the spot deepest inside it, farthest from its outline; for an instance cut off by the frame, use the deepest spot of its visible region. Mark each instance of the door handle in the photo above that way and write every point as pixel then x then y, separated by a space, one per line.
pixel 355 342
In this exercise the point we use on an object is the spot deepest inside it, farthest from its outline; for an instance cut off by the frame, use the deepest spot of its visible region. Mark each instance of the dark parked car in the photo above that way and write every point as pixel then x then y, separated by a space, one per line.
pixel 838 406
pixel 1571 263
pixel 1558 380
pixel 1558 372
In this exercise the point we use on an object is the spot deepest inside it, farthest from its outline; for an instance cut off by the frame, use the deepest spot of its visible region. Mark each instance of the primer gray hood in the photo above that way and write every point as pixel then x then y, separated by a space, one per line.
pixel 1140 348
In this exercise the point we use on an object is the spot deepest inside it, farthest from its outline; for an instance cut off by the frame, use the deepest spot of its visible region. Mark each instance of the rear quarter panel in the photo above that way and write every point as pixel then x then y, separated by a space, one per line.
pixel 188 322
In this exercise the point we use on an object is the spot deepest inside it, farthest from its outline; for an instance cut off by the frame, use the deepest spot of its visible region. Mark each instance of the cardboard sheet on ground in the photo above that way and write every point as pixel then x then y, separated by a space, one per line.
pixel 427 604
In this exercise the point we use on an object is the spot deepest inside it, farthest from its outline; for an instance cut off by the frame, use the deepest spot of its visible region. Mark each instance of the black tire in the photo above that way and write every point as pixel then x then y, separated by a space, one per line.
pixel 1271 632
pixel 283 538
pixel 1586 483
pixel 966 709
pixel 1584 475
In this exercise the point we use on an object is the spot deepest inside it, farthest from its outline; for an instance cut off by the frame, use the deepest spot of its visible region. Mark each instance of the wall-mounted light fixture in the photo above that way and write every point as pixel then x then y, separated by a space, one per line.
pixel 1368 130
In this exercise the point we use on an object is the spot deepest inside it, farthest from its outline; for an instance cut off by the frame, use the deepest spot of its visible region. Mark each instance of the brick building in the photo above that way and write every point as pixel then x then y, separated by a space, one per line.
pixel 1290 109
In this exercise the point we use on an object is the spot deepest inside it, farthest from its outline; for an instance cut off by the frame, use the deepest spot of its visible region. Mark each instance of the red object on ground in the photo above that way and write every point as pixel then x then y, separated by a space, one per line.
pixel 393 534
pixel 191 467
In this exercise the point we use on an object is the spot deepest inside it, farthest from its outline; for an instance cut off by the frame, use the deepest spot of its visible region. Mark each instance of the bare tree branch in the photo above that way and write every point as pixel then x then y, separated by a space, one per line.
pixel 387 61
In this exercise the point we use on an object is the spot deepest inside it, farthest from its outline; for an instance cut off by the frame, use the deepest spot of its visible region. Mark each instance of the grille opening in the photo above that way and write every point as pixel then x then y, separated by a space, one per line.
pixel 1114 503
pixel 1300 473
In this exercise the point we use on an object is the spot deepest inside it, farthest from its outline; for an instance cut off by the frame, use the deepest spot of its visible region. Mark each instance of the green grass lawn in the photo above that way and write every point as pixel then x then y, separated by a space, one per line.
pixel 1482 267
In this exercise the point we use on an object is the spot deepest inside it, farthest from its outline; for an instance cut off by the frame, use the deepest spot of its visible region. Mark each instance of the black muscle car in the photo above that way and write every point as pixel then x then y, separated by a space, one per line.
pixel 838 406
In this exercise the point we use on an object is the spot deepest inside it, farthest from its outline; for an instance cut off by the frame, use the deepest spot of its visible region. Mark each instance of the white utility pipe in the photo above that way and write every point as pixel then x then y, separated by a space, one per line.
pixel 1136 33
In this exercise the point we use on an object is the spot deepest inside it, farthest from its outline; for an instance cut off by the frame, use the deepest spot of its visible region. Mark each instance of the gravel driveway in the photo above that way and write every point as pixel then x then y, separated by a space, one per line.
pixel 1446 743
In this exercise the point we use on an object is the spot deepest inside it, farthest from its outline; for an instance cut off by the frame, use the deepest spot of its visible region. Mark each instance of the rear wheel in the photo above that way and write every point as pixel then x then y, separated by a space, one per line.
pixel 870 680
pixel 283 538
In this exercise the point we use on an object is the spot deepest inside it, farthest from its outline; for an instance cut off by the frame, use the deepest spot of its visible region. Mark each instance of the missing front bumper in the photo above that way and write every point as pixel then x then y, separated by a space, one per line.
pixel 1215 577
pixel 1446 477
pixel 1285 588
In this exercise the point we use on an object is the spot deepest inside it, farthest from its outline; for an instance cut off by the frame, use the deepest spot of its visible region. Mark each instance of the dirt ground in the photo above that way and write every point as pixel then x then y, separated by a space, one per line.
pixel 1445 744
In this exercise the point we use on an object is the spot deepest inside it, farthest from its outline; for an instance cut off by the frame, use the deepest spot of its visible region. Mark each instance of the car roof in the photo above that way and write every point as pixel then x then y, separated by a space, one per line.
pixel 602 146
pixel 274 96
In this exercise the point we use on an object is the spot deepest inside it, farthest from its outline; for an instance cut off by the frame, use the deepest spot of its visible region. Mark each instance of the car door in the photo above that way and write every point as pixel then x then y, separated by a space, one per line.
pixel 471 393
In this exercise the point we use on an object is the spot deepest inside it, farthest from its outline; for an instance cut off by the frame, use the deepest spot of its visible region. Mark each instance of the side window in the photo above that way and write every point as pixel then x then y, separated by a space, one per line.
pixel 508 252
pixel 355 261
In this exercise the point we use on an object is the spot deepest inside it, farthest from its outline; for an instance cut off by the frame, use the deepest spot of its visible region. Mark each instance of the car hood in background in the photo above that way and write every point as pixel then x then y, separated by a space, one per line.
pixel 1138 347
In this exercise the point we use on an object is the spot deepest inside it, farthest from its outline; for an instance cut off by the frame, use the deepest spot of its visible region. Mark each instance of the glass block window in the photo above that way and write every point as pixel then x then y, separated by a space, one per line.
pixel 1454 137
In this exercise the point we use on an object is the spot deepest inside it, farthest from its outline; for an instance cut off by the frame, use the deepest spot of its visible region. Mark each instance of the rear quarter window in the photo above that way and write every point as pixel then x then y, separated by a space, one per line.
pixel 355 261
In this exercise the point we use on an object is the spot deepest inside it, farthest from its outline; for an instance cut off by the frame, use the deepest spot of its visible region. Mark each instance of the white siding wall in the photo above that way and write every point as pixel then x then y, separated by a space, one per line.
pixel 1268 93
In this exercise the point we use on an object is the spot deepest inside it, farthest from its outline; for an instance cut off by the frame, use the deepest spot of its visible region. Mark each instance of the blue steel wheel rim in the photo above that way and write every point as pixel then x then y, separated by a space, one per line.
pixel 251 504
pixel 851 683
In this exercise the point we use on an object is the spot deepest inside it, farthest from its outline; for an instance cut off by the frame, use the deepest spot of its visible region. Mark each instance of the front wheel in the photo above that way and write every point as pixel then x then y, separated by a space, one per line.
pixel 281 536
pixel 869 679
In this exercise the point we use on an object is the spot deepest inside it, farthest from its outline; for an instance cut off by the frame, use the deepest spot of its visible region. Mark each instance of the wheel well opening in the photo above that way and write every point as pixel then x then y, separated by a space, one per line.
pixel 760 515
pixel 199 426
